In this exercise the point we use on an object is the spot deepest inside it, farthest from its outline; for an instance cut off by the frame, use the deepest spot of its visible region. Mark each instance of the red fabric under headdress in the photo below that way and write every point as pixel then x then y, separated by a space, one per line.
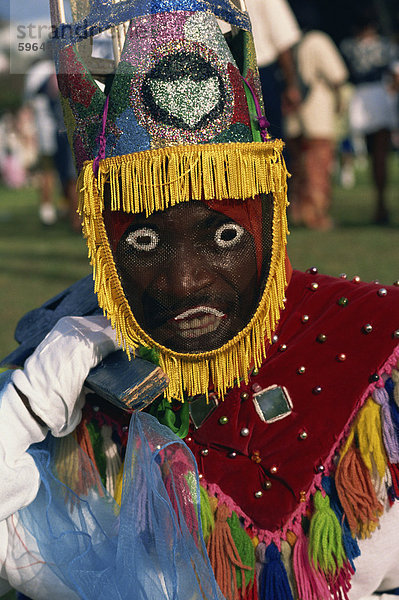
pixel 248 214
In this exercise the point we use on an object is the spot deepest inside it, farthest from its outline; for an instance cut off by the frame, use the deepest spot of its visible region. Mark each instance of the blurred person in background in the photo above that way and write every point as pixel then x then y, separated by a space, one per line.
pixel 395 90
pixel 26 133
pixel 55 158
pixel 275 32
pixel 18 148
pixel 12 168
pixel 346 148
pixel 36 94
pixel 311 130
pixel 372 111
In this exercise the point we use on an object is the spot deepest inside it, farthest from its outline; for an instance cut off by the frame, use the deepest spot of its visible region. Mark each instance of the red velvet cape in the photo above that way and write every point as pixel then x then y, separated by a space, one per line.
pixel 340 368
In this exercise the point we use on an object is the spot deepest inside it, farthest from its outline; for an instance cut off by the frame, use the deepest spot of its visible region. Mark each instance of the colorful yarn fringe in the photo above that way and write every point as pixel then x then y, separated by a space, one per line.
pixel 347 507
pixel 363 449
pixel 75 462
pixel 350 544
pixel 310 583
pixel 225 557
pixel 273 580
pixel 326 550
pixel 245 550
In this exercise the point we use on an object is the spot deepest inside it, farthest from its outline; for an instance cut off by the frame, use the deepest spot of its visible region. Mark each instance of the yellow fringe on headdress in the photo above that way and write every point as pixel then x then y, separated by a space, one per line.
pixel 157 179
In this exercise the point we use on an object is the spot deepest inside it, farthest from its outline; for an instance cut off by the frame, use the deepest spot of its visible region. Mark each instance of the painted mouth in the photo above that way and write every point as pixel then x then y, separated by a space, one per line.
pixel 194 322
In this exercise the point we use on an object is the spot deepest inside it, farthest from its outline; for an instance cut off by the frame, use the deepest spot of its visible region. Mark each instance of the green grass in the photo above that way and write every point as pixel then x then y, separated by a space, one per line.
pixel 37 262
pixel 355 246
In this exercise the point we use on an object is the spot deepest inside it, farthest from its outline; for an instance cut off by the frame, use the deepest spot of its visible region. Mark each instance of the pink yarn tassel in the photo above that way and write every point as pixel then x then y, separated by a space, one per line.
pixel 341 583
pixel 310 583
pixel 176 480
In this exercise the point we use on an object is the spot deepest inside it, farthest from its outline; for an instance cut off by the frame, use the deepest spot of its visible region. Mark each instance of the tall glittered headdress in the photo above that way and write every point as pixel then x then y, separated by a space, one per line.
pixel 168 133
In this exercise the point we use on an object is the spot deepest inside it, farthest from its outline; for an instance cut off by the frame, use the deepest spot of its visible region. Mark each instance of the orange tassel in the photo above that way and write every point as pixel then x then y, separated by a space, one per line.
pixel 291 538
pixel 224 556
pixel 357 495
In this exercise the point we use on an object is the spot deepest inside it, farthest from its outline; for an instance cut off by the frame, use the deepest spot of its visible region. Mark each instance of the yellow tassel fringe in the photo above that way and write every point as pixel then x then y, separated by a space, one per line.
pixel 367 430
pixel 157 179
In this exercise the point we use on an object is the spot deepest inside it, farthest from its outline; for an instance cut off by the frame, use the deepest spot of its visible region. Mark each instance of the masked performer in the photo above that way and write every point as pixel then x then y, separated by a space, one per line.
pixel 269 467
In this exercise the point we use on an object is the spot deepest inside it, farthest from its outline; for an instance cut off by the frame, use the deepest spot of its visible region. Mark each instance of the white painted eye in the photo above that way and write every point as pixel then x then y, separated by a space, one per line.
pixel 228 235
pixel 143 239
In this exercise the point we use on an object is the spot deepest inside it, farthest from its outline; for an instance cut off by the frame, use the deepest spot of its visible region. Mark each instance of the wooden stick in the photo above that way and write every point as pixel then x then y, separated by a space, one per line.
pixel 118 37
pixel 57 12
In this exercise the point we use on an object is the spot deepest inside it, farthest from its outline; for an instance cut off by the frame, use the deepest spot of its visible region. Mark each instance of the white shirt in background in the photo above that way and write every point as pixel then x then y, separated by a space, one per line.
pixel 274 28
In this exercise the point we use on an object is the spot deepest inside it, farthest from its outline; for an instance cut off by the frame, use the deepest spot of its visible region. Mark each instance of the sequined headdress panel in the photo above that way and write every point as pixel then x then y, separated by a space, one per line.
pixel 176 81
pixel 174 138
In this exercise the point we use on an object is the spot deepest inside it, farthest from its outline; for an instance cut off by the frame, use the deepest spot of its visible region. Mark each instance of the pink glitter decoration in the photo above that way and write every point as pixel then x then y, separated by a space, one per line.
pixel 73 81
pixel 80 151
pixel 144 37
pixel 240 114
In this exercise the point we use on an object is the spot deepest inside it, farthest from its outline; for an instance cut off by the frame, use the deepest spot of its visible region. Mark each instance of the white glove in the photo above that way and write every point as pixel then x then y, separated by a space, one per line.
pixel 53 376
pixel 18 473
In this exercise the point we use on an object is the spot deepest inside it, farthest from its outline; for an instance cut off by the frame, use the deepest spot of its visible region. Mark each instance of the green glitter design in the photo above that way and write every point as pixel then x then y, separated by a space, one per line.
pixel 238 132
pixel 204 29
pixel 120 90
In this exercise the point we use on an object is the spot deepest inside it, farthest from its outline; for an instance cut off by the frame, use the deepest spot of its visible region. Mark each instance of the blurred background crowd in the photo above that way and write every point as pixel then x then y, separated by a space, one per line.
pixel 330 84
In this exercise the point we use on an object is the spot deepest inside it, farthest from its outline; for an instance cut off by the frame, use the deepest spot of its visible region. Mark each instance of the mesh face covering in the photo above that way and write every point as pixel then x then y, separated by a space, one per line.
pixel 201 282
pixel 194 274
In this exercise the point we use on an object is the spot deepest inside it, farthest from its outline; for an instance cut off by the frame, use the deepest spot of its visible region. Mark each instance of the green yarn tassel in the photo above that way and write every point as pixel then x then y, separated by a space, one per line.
pixel 207 518
pixel 245 549
pixel 97 443
pixel 174 415
pixel 150 354
pixel 326 549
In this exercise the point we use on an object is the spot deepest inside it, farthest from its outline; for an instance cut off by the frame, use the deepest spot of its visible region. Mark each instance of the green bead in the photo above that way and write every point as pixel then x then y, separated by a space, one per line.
pixel 343 301
pixel 224 420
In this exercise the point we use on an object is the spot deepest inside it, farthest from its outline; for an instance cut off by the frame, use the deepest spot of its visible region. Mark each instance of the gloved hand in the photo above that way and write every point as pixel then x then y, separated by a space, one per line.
pixel 51 381
pixel 53 376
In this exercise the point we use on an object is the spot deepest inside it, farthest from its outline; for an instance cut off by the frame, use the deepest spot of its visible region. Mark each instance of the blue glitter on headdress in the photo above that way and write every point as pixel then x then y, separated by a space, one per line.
pixel 104 15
